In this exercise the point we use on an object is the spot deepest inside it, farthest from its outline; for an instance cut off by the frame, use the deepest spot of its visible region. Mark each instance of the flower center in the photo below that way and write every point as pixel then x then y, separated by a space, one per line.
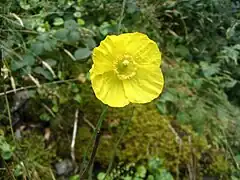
pixel 125 67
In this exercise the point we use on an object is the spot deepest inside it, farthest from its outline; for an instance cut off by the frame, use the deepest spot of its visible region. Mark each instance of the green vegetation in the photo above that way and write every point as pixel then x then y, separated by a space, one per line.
pixel 191 131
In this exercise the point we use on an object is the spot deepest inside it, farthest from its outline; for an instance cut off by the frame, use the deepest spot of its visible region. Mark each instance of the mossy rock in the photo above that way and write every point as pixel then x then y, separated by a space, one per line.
pixel 33 158
pixel 149 134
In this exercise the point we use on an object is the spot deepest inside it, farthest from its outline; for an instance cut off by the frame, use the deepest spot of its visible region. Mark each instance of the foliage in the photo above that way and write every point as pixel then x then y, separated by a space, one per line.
pixel 46 47
pixel 153 170
pixel 6 149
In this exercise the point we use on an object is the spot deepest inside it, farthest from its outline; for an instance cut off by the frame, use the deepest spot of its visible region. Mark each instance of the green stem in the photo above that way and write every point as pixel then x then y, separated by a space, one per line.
pixel 118 142
pixel 96 136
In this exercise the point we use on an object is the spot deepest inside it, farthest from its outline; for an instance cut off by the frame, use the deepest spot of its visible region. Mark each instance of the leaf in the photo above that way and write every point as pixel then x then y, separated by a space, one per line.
pixel 28 60
pixel 15 65
pixel 209 69
pixel 37 48
pixel 6 155
pixel 45 117
pixel 6 151
pixel 74 36
pixel 131 7
pixel 104 28
pixel 51 62
pixel 76 177
pixel 150 177
pixel 43 37
pixel 183 117
pixel 43 72
pixel 82 53
pixel 90 43
pixel 141 171
pixel 80 21
pixel 101 176
pixel 78 98
pixel 70 24
pixel 77 14
pixel 161 107
pixel 23 4
pixel 58 21
pixel 62 34
pixel 182 51
pixel 47 46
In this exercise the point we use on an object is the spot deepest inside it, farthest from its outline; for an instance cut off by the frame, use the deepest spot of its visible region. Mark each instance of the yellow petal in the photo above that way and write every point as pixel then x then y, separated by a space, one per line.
pixel 109 89
pixel 143 49
pixel 145 86
pixel 106 54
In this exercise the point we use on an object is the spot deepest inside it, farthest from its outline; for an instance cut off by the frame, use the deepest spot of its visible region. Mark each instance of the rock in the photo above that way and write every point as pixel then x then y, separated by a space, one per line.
pixel 65 167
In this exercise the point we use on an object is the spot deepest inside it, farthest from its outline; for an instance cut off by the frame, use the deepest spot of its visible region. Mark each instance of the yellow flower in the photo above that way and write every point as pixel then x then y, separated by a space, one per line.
pixel 126 69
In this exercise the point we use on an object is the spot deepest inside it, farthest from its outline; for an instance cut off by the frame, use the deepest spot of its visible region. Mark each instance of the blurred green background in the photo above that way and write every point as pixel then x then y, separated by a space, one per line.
pixel 192 131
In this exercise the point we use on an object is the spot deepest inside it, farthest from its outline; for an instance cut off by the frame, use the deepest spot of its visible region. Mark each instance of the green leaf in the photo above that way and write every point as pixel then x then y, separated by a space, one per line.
pixel 62 34
pixel 77 14
pixel 90 43
pixel 23 4
pixel 182 51
pixel 209 69
pixel 154 164
pixel 183 117
pixel 6 155
pixel 37 48
pixel 80 21
pixel 55 108
pixel 168 96
pixel 101 176
pixel 45 117
pixel 43 37
pixel 150 177
pixel 70 24
pixel 78 98
pixel 43 72
pixel 58 21
pixel 29 60
pixel 74 36
pixel 164 174
pixel 15 65
pixel 141 172
pixel 76 177
pixel 6 151
pixel 105 28
pixel 47 46
pixel 82 53
pixel 51 62
pixel 161 107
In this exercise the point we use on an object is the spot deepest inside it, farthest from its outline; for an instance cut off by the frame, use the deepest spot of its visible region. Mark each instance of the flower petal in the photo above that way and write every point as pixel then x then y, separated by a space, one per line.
pixel 109 89
pixel 145 86
pixel 143 49
pixel 106 53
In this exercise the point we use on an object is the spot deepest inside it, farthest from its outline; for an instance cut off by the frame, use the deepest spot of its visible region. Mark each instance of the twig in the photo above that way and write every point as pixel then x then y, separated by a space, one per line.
pixel 9 117
pixel 121 16
pixel 89 123
pixel 179 141
pixel 74 136
pixel 48 109
pixel 35 86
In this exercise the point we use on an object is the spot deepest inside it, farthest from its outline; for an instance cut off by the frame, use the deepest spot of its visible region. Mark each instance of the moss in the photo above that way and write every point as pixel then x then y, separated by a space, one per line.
pixel 216 164
pixel 148 134
pixel 33 158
